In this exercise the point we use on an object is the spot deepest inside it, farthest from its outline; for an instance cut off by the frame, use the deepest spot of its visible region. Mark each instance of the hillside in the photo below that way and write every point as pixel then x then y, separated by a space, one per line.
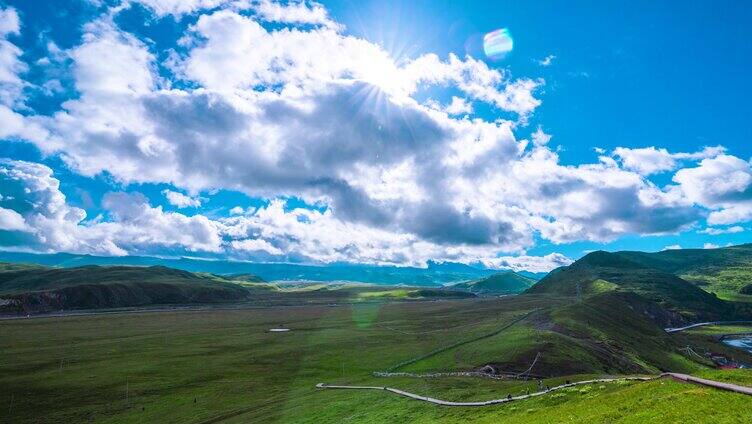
pixel 16 278
pixel 623 330
pixel 38 288
pixel 681 261
pixel 724 271
pixel 600 272
pixel 507 282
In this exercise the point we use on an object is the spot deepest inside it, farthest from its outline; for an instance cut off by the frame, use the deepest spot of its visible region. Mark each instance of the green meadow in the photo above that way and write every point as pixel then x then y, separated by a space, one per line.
pixel 225 366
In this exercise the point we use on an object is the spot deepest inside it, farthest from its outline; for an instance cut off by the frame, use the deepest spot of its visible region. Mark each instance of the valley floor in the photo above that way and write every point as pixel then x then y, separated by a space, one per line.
pixel 225 366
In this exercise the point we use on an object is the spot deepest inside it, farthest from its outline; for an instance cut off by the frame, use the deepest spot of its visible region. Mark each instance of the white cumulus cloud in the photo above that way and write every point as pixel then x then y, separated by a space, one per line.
pixel 302 109
pixel 652 160
pixel 11 220
pixel 181 200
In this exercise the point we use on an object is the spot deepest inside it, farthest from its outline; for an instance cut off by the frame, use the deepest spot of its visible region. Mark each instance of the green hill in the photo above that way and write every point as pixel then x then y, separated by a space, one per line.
pixel 37 288
pixel 612 332
pixel 605 313
pixel 681 261
pixel 724 271
pixel 34 289
pixel 507 282
pixel 600 272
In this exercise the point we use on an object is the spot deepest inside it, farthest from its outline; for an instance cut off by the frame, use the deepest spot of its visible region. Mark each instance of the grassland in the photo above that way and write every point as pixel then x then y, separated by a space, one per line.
pixel 212 366
pixel 725 271
pixel 731 283
pixel 507 282
pixel 602 316
pixel 32 289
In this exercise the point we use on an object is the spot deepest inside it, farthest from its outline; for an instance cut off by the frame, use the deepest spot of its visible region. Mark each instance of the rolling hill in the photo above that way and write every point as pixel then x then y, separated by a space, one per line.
pixel 507 282
pixel 681 261
pixel 724 271
pixel 38 288
pixel 600 272
pixel 606 313
pixel 609 332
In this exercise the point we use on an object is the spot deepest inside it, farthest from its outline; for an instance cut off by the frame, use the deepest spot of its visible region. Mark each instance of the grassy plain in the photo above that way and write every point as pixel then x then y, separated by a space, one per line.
pixel 224 366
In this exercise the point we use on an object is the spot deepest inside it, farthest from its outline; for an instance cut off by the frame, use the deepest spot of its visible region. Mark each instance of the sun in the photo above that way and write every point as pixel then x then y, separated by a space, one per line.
pixel 383 73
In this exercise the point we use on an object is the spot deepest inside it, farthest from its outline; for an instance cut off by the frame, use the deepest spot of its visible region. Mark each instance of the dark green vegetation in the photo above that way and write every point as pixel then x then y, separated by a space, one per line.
pixel 676 299
pixel 507 282
pixel 19 278
pixel 39 289
pixel 224 366
pixel 610 333
pixel 35 289
pixel 724 271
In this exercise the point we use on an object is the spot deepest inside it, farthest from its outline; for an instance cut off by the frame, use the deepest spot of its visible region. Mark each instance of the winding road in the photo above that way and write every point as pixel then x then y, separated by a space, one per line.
pixel 702 324
pixel 676 376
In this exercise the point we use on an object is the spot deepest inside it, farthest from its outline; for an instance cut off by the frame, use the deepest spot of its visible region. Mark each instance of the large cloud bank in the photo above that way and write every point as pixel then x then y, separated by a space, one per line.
pixel 301 109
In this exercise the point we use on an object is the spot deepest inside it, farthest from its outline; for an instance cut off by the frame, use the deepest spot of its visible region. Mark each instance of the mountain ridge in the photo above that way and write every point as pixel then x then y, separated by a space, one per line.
pixel 600 271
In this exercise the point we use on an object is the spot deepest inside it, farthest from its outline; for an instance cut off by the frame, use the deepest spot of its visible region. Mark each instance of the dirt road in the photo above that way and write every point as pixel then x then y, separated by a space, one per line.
pixel 679 377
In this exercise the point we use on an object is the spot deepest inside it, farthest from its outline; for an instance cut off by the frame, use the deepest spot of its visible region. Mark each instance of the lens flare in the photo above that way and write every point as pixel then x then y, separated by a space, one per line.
pixel 496 44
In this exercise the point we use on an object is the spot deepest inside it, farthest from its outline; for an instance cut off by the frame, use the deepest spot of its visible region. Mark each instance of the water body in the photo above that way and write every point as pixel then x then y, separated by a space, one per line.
pixel 744 343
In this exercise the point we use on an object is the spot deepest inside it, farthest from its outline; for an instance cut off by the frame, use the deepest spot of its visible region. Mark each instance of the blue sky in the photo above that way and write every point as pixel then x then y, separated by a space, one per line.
pixel 373 132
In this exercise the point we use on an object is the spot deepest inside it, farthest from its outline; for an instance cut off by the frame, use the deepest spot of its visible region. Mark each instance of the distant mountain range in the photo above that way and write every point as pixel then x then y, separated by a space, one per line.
pixel 436 274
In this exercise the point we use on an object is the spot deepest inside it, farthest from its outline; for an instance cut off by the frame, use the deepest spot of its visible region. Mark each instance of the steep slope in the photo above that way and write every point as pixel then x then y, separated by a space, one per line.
pixel 37 288
pixel 603 333
pixel 507 282
pixel 600 272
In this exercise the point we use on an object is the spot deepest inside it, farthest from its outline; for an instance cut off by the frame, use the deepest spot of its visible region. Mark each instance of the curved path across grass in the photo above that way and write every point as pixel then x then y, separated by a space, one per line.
pixel 680 377
pixel 702 324
pixel 745 390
